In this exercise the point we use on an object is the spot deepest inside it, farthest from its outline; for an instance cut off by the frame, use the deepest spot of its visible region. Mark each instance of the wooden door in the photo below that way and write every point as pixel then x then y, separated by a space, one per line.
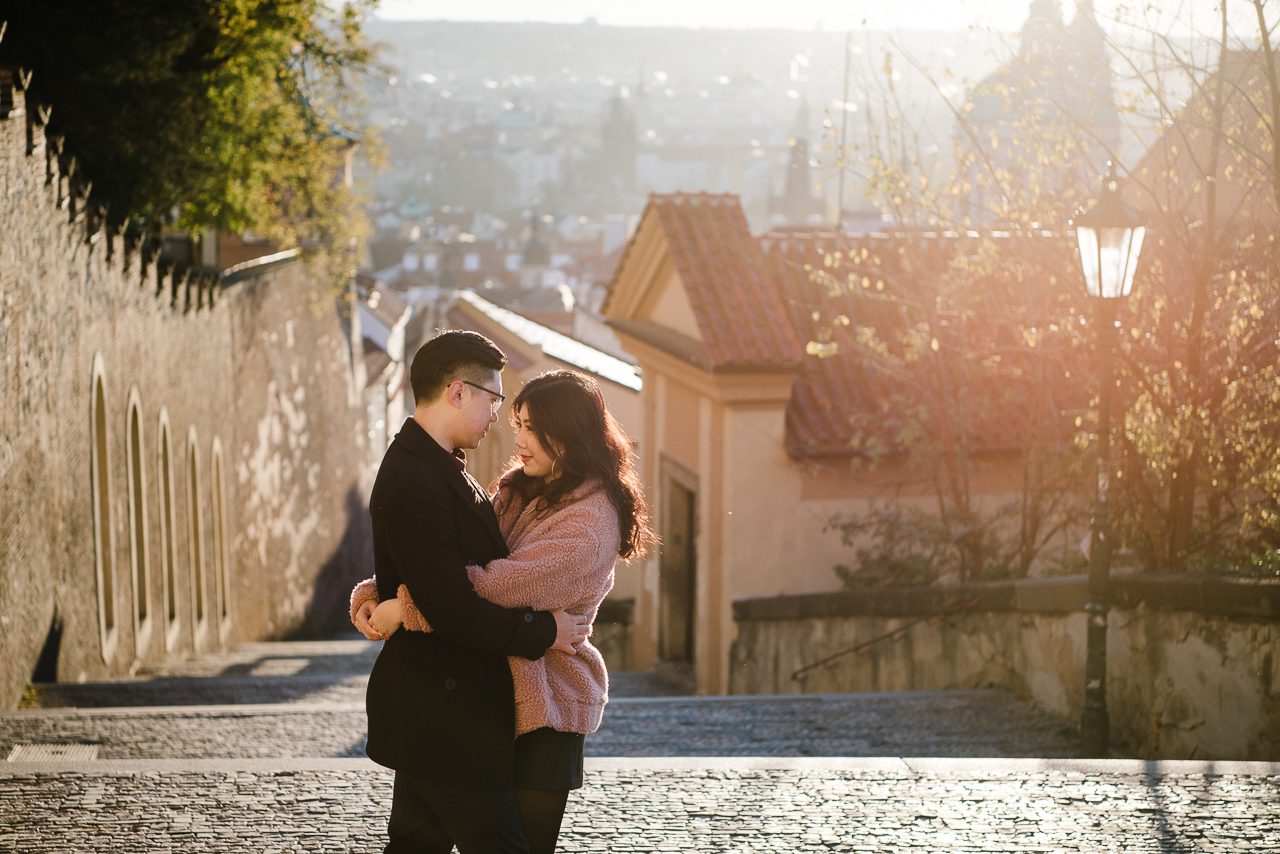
pixel 677 576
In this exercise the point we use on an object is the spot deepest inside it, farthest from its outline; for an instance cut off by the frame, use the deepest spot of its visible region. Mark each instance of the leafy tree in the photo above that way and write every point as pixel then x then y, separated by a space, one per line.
pixel 235 114
pixel 1196 483
pixel 1200 371
pixel 977 329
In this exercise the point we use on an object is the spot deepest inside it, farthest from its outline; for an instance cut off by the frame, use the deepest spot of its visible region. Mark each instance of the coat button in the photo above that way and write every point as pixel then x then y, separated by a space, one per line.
pixel 450 684
pixel 528 618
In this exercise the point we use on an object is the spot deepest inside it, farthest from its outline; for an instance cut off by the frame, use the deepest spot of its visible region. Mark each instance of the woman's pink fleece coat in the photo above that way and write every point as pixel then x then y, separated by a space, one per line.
pixel 563 559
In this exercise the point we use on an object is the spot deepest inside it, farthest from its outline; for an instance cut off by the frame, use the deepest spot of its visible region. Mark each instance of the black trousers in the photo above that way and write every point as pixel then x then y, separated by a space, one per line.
pixel 430 818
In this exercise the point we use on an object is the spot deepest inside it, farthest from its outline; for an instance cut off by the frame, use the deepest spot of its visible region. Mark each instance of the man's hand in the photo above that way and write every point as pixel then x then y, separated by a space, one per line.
pixel 363 613
pixel 571 630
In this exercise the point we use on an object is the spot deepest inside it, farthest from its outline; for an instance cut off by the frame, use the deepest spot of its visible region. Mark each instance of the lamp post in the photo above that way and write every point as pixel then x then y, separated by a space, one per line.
pixel 1109 237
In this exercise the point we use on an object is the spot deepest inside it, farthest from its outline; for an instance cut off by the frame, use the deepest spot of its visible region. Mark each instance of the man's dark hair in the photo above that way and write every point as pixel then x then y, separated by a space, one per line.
pixel 453 354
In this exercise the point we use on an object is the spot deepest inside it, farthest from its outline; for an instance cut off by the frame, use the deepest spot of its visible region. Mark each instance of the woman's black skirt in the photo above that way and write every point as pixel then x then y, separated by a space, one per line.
pixel 548 759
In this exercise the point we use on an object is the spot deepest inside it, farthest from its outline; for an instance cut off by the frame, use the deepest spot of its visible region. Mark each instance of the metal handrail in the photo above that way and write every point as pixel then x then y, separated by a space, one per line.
pixel 798 675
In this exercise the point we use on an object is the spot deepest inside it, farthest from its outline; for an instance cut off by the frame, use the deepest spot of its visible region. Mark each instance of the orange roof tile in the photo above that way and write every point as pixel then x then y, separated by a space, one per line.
pixel 757 302
pixel 739 312
pixel 830 393
pixel 851 395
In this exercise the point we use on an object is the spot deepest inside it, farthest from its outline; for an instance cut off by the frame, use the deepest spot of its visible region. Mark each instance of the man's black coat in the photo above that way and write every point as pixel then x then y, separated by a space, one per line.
pixel 441 705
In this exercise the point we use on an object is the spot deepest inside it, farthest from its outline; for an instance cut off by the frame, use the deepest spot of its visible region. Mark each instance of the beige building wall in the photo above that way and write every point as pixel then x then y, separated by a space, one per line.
pixel 761 516
pixel 777 542
pixel 755 532
pixel 671 308
pixel 683 426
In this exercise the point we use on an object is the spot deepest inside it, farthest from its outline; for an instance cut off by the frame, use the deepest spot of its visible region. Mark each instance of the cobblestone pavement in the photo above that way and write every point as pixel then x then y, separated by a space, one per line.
pixel 926 723
pixel 671 805
pixel 230 732
pixel 962 723
pixel 320 688
pixel 247 754
pixel 334 672
pixel 279 658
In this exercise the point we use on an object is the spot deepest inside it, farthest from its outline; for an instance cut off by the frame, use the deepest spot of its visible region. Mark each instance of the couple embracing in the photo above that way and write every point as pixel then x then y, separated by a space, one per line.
pixel 487 685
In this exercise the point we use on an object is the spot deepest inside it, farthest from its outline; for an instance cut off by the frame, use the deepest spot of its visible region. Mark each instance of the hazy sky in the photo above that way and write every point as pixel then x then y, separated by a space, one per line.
pixel 1005 15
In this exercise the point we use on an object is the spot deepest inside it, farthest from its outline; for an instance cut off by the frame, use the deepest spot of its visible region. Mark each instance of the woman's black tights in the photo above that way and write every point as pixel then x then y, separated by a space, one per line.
pixel 541 811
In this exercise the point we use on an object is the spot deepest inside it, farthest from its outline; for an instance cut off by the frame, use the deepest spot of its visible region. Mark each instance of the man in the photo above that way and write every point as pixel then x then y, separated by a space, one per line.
pixel 441 707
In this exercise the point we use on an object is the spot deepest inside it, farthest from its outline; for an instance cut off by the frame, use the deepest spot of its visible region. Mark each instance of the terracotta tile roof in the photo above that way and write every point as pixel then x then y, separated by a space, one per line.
pixel 739 312
pixel 758 302
pixel 851 395
pixel 831 393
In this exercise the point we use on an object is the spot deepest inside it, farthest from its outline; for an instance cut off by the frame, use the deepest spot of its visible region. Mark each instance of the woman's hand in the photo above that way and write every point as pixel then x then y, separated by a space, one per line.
pixel 363 614
pixel 386 618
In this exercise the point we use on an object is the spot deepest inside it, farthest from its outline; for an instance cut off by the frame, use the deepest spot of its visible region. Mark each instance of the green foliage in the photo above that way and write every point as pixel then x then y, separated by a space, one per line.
pixel 235 114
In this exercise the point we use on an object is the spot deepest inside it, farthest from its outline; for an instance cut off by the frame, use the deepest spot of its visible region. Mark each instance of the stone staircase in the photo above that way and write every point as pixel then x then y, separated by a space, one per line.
pixel 261 748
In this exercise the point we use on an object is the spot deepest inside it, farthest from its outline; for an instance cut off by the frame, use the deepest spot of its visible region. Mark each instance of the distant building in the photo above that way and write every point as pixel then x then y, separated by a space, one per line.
pixel 1060 81
pixel 551 271
pixel 535 255
pixel 384 314
pixel 798 204
pixel 619 145
pixel 1169 181
pixel 458 260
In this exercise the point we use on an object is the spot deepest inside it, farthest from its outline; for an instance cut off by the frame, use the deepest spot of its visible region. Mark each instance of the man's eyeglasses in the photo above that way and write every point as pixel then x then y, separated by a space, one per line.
pixel 497 398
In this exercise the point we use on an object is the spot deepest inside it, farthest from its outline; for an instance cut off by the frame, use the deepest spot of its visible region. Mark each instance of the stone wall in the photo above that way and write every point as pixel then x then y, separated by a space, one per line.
pixel 1193 662
pixel 106 564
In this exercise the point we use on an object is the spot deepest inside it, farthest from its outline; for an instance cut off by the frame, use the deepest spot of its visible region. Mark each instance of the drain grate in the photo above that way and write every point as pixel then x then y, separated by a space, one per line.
pixel 53 753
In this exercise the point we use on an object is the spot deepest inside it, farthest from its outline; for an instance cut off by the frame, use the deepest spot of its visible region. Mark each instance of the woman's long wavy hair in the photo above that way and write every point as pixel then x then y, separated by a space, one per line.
pixel 584 440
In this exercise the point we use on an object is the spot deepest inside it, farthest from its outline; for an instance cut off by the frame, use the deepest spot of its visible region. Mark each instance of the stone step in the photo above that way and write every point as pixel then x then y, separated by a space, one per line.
pixel 695 805
pixel 282 678
pixel 952 723
pixel 331 688
pixel 276 658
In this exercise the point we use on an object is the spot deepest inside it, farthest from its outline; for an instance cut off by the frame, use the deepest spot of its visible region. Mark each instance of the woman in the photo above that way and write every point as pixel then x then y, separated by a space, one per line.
pixel 569 507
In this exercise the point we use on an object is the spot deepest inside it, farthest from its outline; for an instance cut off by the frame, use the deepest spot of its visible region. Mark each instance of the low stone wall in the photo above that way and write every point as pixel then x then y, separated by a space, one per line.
pixel 1193 662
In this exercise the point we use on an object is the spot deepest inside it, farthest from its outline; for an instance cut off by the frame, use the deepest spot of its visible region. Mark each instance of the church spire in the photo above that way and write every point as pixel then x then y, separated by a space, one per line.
pixel 797 205
pixel 1085 24
pixel 537 250
pixel 1043 28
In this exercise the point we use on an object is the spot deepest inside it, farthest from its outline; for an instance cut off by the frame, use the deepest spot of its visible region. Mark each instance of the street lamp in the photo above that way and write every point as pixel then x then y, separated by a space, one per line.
pixel 1109 237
